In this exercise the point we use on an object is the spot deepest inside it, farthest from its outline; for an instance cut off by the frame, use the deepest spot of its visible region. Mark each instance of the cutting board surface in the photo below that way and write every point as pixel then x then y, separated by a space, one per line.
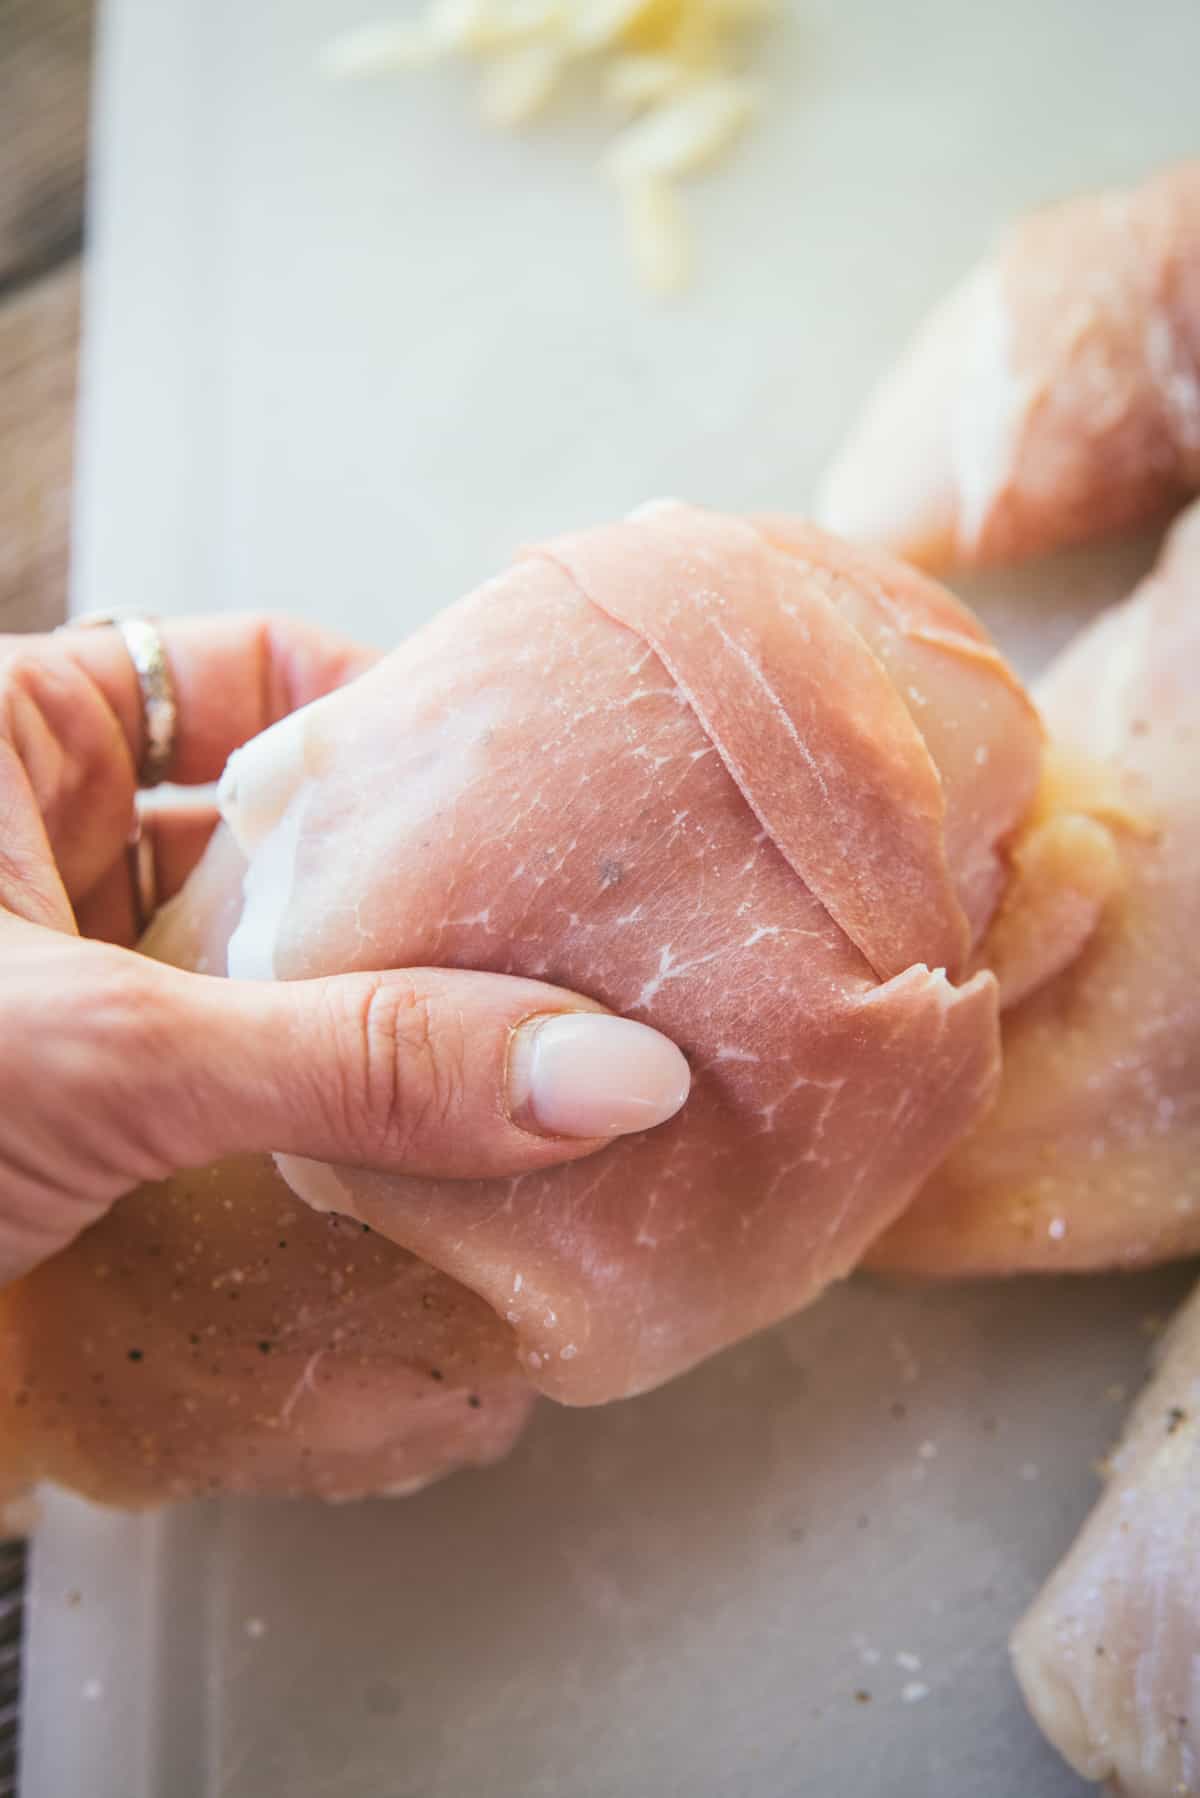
pixel 345 352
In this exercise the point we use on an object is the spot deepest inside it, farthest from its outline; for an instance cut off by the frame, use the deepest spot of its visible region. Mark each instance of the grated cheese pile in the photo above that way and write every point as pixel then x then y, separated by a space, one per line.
pixel 669 69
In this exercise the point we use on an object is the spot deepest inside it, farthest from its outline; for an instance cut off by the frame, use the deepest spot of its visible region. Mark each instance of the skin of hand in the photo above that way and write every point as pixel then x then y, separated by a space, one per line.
pixel 115 1069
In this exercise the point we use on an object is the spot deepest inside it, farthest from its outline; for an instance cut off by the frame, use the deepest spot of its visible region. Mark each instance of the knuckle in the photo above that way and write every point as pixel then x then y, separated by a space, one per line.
pixel 18 668
pixel 20 680
pixel 119 1070
pixel 121 1002
pixel 129 1018
pixel 408 1073
pixel 30 686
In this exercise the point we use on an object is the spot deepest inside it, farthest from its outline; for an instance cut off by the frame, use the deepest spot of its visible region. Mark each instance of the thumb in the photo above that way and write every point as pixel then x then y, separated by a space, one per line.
pixel 425 1071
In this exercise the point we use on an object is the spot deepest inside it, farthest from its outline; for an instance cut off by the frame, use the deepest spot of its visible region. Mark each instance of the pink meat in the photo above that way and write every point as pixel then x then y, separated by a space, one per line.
pixel 1054 397
pixel 812 730
pixel 942 664
pixel 637 764
pixel 526 787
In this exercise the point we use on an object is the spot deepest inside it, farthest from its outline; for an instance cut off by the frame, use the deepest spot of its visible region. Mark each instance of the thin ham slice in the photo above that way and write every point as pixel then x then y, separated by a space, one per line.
pixel 1052 398
pixel 935 652
pixel 812 730
pixel 564 776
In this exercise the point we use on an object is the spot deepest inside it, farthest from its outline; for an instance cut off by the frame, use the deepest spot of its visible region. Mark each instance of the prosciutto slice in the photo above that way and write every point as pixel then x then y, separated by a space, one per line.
pixel 727 779
pixel 1053 398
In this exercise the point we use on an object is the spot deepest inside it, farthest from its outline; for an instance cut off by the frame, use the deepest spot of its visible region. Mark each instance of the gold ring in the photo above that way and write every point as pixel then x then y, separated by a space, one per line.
pixel 160 710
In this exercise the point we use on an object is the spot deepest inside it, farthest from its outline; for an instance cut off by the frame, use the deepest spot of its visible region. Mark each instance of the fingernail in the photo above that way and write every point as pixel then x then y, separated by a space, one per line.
pixel 583 1073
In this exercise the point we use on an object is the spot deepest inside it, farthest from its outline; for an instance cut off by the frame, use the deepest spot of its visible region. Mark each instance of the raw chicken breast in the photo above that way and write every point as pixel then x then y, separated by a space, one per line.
pixel 1109 1654
pixel 216 1334
pixel 1091 1156
pixel 1054 397
pixel 737 782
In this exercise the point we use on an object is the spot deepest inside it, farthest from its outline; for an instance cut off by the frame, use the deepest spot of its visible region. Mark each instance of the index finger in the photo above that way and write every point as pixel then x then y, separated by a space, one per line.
pixel 233 676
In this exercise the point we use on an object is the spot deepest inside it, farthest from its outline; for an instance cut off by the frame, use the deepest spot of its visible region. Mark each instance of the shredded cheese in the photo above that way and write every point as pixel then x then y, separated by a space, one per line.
pixel 668 68
pixel 658 239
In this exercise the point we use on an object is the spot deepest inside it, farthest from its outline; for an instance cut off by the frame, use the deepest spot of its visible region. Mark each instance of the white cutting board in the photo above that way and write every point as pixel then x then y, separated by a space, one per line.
pixel 344 351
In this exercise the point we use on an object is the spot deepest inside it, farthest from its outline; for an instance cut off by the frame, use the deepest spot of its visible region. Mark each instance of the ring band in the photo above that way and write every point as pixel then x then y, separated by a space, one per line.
pixel 143 875
pixel 160 710
pixel 160 716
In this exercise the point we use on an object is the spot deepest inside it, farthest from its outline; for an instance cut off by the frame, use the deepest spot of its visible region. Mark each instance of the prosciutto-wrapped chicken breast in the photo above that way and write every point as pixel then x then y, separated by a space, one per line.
pixel 1052 398
pixel 733 780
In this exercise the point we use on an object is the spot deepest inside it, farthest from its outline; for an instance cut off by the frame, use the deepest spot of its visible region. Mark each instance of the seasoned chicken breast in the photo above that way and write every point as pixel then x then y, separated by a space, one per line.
pixel 1090 1157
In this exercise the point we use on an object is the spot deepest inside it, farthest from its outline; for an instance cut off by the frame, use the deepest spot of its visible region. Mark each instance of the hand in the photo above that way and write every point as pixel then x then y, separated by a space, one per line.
pixel 116 1069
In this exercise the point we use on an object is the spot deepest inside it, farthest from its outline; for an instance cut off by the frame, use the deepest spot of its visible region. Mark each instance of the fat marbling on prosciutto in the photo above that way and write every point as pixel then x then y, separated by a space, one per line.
pixel 730 779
